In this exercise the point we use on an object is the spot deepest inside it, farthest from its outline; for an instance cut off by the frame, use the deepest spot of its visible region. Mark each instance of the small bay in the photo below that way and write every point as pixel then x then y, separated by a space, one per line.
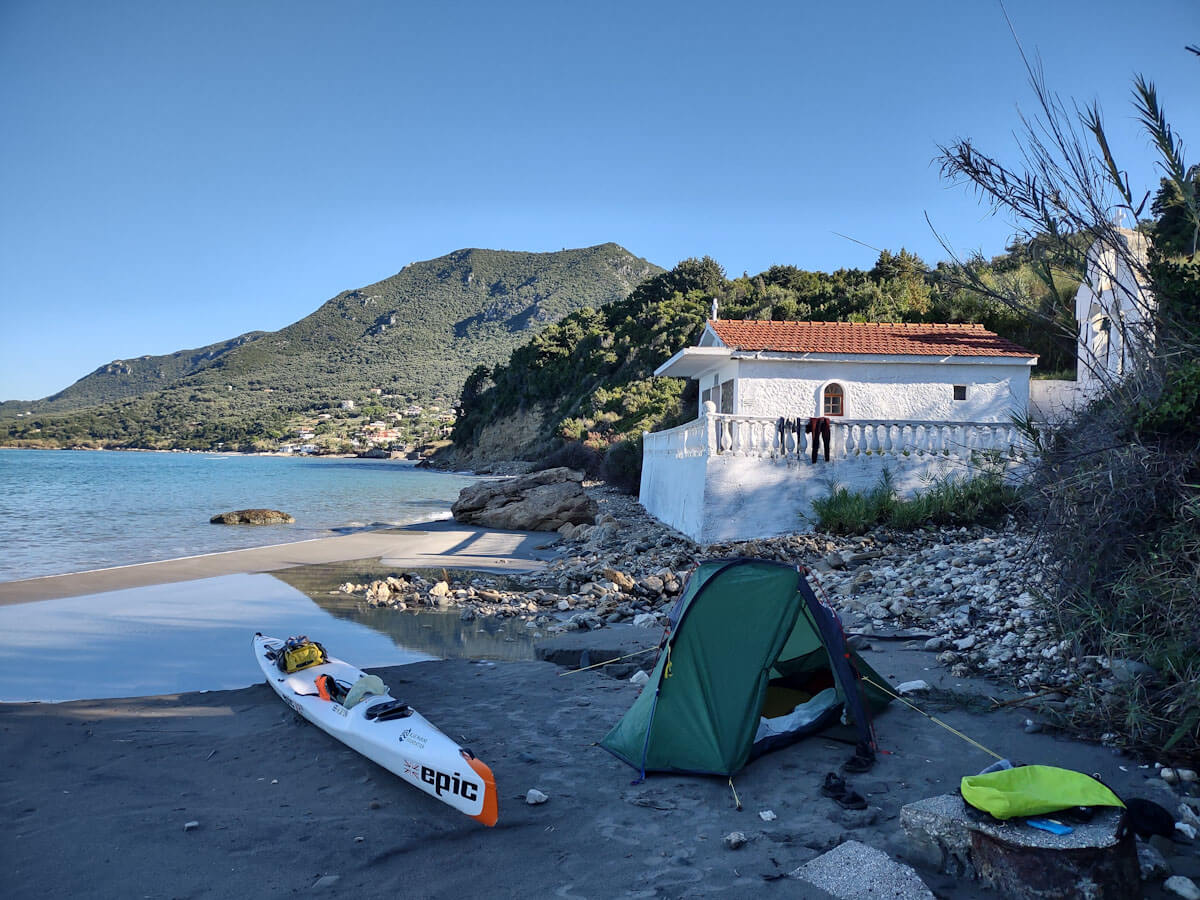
pixel 71 511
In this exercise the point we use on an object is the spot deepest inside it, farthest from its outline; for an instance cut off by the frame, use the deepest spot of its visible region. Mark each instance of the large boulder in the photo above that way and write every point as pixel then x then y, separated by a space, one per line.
pixel 540 501
pixel 252 517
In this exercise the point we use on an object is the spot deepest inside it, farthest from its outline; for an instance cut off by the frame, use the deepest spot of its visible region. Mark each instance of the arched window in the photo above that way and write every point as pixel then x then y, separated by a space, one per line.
pixel 831 403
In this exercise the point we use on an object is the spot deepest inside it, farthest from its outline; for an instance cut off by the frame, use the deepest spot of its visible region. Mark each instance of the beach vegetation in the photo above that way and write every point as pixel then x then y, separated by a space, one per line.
pixel 982 497
pixel 1116 491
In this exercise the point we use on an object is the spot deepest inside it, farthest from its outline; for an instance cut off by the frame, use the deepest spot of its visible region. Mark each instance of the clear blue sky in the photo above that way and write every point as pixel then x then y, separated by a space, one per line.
pixel 173 174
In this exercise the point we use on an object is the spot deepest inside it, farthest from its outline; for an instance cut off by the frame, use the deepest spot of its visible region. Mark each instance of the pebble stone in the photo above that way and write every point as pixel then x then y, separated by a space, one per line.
pixel 1182 886
pixel 735 840
pixel 966 592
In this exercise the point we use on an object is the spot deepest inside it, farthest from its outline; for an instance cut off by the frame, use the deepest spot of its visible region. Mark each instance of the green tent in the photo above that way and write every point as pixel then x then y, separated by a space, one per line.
pixel 753 662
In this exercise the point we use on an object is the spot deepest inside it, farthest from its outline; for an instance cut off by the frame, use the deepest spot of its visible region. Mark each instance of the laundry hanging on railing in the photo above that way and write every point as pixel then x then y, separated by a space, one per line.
pixel 818 427
pixel 783 428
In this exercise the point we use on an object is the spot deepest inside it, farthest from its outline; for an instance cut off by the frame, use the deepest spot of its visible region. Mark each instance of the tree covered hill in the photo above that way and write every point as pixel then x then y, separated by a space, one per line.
pixel 417 334
pixel 124 378
pixel 587 382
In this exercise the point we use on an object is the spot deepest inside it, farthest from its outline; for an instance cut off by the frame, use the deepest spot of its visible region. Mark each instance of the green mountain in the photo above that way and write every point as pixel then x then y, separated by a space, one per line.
pixel 124 378
pixel 416 334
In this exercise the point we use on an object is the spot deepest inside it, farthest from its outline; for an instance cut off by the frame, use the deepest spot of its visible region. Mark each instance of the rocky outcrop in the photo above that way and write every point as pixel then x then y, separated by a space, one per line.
pixel 518 435
pixel 252 517
pixel 541 501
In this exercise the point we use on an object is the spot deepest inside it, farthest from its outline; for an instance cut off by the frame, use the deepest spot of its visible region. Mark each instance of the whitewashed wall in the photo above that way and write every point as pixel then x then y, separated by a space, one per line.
pixel 748 497
pixel 729 477
pixel 727 497
pixel 1111 294
pixel 676 485
pixel 905 391
pixel 1054 401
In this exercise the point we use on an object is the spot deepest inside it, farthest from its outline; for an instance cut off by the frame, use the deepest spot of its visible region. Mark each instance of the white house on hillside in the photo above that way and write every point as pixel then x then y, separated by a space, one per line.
pixel 918 399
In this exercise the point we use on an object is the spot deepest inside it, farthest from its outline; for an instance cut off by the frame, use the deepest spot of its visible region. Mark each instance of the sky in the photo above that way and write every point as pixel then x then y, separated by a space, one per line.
pixel 176 174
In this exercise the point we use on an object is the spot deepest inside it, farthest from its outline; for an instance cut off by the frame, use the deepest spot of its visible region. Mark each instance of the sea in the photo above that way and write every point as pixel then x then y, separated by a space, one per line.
pixel 73 510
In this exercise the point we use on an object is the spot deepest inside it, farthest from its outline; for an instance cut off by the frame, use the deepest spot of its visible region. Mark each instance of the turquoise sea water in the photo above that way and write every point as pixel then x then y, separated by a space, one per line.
pixel 63 511
pixel 71 511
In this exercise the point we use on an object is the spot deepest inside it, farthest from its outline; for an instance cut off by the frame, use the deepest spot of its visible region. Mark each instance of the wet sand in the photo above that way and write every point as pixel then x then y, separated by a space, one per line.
pixel 428 545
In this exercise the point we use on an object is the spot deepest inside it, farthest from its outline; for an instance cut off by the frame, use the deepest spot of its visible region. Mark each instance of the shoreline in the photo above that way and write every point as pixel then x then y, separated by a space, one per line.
pixel 440 543
pixel 159 510
pixel 202 794
pixel 110 787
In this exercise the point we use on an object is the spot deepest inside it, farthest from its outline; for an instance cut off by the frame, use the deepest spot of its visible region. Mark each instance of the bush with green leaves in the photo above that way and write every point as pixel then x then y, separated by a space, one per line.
pixel 1116 491
pixel 982 497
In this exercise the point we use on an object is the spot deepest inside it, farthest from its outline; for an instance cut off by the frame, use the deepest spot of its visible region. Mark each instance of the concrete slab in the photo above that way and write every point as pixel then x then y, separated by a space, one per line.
pixel 854 870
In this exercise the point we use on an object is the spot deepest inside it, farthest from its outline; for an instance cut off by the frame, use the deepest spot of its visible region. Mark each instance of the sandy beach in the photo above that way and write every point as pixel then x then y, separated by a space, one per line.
pixel 100 793
pixel 428 545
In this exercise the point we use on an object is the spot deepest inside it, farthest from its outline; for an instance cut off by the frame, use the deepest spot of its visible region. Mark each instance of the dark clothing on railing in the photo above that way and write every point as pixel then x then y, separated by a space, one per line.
pixel 783 428
pixel 818 427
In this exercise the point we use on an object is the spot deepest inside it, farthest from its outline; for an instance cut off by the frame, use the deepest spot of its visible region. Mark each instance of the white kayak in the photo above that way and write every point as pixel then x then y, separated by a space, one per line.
pixel 356 709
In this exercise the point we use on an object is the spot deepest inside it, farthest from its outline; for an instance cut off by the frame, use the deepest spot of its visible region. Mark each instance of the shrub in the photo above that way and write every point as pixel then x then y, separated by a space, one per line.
pixel 574 455
pixel 623 464
pixel 984 499
pixel 1125 516
pixel 854 512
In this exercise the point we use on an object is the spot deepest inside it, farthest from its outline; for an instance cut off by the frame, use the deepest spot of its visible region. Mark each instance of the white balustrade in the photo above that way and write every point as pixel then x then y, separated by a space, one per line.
pixel 762 437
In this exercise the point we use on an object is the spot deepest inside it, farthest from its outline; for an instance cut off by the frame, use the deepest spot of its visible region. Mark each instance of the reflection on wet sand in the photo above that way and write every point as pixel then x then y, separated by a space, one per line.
pixel 434 632
pixel 195 635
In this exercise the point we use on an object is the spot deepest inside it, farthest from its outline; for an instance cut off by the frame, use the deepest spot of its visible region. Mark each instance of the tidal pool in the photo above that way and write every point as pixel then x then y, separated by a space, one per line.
pixel 195 635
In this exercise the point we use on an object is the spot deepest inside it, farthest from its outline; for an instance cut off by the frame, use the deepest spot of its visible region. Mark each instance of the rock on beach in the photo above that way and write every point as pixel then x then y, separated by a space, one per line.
pixel 252 517
pixel 541 501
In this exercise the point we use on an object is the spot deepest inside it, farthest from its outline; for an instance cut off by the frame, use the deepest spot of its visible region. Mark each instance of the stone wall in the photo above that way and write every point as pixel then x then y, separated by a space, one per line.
pixel 733 498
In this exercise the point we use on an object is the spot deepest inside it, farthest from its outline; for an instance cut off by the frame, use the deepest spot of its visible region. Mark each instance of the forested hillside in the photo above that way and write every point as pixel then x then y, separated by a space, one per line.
pixel 124 378
pixel 416 334
pixel 588 378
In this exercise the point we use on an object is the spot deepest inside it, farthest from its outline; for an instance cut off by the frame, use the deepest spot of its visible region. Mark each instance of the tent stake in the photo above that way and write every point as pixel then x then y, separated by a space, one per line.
pixel 737 802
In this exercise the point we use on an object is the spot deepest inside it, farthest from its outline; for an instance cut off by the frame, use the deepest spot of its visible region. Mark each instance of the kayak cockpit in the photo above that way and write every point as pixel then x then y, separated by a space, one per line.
pixel 350 695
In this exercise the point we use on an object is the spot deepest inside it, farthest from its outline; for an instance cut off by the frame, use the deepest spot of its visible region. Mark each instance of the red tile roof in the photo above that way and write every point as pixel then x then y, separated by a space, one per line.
pixel 872 337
